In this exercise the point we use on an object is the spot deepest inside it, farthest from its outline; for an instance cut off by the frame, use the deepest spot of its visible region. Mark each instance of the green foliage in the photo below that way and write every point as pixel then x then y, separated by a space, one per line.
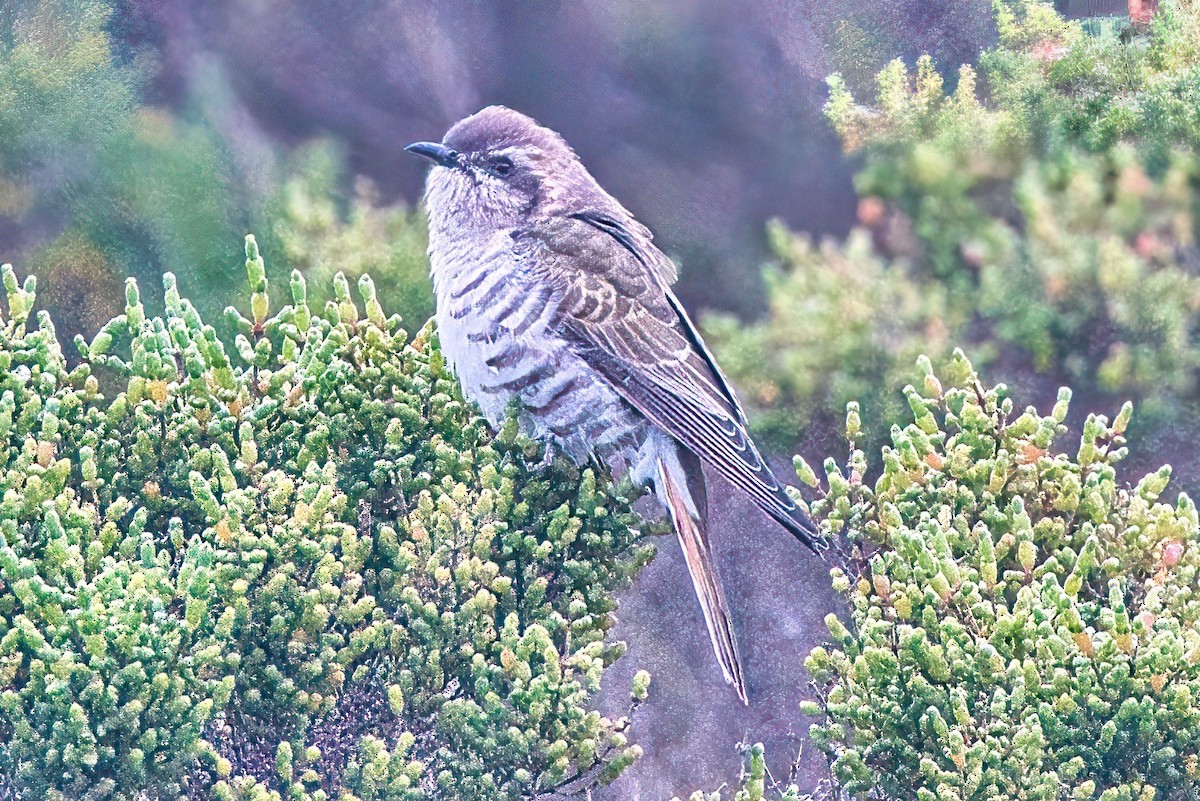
pixel 86 167
pixel 60 90
pixel 859 38
pixel 1026 625
pixel 75 145
pixel 826 342
pixel 1045 220
pixel 1023 625
pixel 292 563
pixel 319 238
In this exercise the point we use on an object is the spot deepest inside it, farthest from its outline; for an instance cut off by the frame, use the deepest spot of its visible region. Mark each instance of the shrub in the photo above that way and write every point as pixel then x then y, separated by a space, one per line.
pixel 1027 624
pixel 1042 215
pixel 1024 625
pixel 294 564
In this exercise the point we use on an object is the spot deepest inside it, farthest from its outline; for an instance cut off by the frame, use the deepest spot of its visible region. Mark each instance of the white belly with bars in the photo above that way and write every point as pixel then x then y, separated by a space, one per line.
pixel 497 331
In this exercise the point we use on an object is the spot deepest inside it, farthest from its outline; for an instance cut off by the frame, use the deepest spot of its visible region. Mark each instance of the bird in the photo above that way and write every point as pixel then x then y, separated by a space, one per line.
pixel 551 297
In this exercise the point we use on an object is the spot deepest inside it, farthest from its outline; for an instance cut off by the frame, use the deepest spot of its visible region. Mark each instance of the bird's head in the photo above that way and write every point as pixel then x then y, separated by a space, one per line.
pixel 496 170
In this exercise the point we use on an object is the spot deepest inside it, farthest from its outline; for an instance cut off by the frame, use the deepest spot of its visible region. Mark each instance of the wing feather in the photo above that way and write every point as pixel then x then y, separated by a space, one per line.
pixel 619 314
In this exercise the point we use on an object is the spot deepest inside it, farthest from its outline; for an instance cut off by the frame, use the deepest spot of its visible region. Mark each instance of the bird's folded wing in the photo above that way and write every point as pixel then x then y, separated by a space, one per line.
pixel 616 311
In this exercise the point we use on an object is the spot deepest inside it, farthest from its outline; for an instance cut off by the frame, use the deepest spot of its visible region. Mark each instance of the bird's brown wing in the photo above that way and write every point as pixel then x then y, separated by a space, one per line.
pixel 617 312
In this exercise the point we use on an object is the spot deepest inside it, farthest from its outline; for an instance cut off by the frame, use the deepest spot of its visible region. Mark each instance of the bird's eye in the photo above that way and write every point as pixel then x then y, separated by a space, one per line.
pixel 501 165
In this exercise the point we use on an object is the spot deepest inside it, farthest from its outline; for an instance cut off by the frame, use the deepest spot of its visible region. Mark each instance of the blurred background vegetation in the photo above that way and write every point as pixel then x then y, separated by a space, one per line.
pixel 101 177
pixel 1036 207
pixel 140 136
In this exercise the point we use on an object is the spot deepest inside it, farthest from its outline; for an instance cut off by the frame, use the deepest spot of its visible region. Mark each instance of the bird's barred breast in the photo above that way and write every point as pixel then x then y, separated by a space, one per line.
pixel 497 331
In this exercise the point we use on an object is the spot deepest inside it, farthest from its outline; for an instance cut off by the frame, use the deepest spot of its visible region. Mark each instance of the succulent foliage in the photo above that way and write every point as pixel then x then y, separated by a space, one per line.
pixel 292 563
pixel 1022 625
pixel 1025 625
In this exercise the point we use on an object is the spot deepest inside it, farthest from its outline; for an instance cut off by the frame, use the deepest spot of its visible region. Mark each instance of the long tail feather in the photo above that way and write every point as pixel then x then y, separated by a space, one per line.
pixel 682 491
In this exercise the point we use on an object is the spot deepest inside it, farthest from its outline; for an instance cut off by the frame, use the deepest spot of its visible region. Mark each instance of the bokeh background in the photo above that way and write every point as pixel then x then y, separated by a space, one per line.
pixel 703 117
pixel 139 136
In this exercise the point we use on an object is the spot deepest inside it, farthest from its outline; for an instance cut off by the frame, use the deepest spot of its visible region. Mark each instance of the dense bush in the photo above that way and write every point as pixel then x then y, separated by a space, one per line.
pixel 290 564
pixel 1042 215
pixel 1025 625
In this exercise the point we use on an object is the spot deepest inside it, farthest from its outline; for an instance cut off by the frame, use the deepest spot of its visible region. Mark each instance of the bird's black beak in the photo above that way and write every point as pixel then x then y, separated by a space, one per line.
pixel 438 154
